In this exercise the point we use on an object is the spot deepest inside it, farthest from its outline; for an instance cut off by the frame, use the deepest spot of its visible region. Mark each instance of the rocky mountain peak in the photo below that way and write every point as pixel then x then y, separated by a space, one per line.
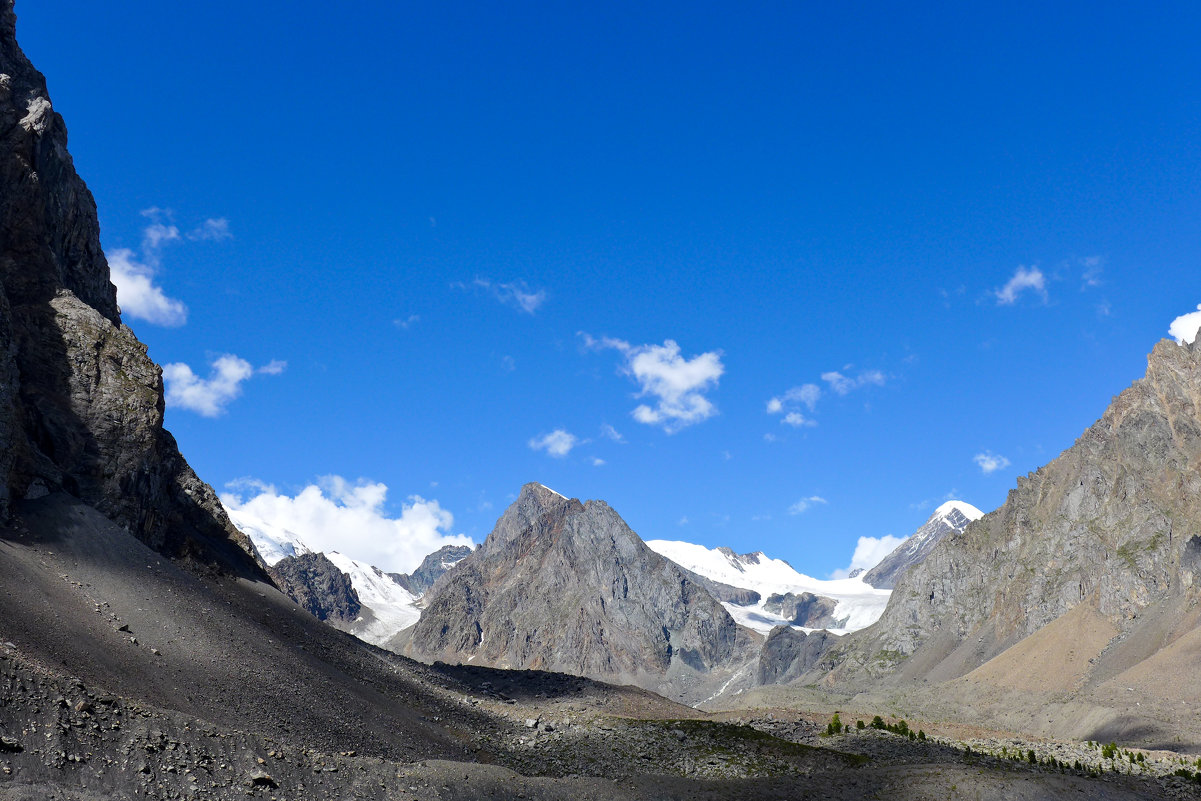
pixel 950 517
pixel 568 586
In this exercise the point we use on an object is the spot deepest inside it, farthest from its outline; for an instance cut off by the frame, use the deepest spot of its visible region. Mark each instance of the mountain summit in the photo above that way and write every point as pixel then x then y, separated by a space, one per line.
pixel 568 586
pixel 952 516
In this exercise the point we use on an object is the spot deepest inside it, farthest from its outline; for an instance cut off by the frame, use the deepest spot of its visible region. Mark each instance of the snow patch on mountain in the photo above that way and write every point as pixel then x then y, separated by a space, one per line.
pixel 387 606
pixel 272 542
pixel 859 604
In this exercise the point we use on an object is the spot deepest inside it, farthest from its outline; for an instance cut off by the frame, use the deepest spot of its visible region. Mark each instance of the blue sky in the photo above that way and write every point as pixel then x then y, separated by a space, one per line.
pixel 420 239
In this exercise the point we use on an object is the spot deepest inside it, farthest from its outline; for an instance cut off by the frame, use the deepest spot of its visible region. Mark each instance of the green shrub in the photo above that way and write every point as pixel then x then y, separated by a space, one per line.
pixel 859 724
pixel 921 735
pixel 1031 758
pixel 835 726
pixel 877 722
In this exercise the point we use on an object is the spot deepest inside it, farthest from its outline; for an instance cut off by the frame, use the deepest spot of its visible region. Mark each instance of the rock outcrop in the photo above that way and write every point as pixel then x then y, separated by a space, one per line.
pixel 81 404
pixel 567 586
pixel 1110 532
pixel 789 653
pixel 804 609
pixel 318 586
pixel 432 568
pixel 950 517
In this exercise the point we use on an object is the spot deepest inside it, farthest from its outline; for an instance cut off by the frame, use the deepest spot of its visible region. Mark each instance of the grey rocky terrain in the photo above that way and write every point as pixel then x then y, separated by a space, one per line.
pixel 1073 610
pixel 804 609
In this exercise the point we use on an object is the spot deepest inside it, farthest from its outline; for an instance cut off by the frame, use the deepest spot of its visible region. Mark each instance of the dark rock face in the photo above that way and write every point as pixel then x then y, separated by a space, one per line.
pixel 1107 524
pixel 914 549
pixel 318 586
pixel 567 586
pixel 788 653
pixel 81 404
pixel 808 610
pixel 432 568
pixel 724 592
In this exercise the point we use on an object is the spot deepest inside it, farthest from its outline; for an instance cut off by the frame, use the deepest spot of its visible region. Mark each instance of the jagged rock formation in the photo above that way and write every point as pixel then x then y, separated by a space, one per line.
pixel 804 609
pixel 788 653
pixel 1090 567
pixel 952 516
pixel 318 586
pixel 81 404
pixel 432 568
pixel 567 586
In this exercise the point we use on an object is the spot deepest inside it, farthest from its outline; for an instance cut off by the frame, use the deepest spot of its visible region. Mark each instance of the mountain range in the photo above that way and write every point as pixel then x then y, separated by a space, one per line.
pixel 151 649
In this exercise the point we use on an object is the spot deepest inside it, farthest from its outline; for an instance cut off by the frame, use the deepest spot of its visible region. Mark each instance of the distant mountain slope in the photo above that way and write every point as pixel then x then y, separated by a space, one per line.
pixel 384 606
pixel 432 568
pixel 567 586
pixel 855 603
pixel 952 516
pixel 1109 533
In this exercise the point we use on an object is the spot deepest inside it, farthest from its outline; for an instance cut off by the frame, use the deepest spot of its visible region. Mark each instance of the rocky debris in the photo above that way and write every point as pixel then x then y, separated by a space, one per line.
pixel 318 587
pixel 432 568
pixel 806 609
pixel 788 653
pixel 567 586
pixel 81 404
pixel 951 517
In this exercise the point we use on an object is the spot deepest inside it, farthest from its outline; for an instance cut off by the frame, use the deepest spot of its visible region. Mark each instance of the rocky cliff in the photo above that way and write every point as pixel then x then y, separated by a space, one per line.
pixel 567 586
pixel 1108 533
pixel 81 404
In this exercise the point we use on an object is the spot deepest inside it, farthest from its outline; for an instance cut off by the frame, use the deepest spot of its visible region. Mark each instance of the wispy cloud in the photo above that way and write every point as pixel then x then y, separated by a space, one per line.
pixel 1024 280
pixel 514 293
pixel 609 432
pixel 210 396
pixel 990 462
pixel 844 385
pixel 405 323
pixel 214 229
pixel 557 443
pixel 805 504
pixel 676 385
pixel 1185 327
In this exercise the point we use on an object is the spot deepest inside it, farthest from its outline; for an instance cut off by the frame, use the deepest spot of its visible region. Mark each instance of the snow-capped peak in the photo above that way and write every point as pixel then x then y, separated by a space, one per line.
pixel 552 492
pixel 964 508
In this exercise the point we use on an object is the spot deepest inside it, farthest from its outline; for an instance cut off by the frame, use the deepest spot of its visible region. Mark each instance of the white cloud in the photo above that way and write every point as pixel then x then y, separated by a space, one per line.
pixel 214 229
pixel 1184 328
pixel 557 443
pixel 676 384
pixel 869 552
pixel 805 394
pixel 138 295
pixel 804 504
pixel 406 323
pixel 209 396
pixel 514 293
pixel 797 420
pixel 597 461
pixel 843 385
pixel 133 273
pixel 1023 279
pixel 683 521
pixel 990 462
pixel 1091 278
pixel 337 515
